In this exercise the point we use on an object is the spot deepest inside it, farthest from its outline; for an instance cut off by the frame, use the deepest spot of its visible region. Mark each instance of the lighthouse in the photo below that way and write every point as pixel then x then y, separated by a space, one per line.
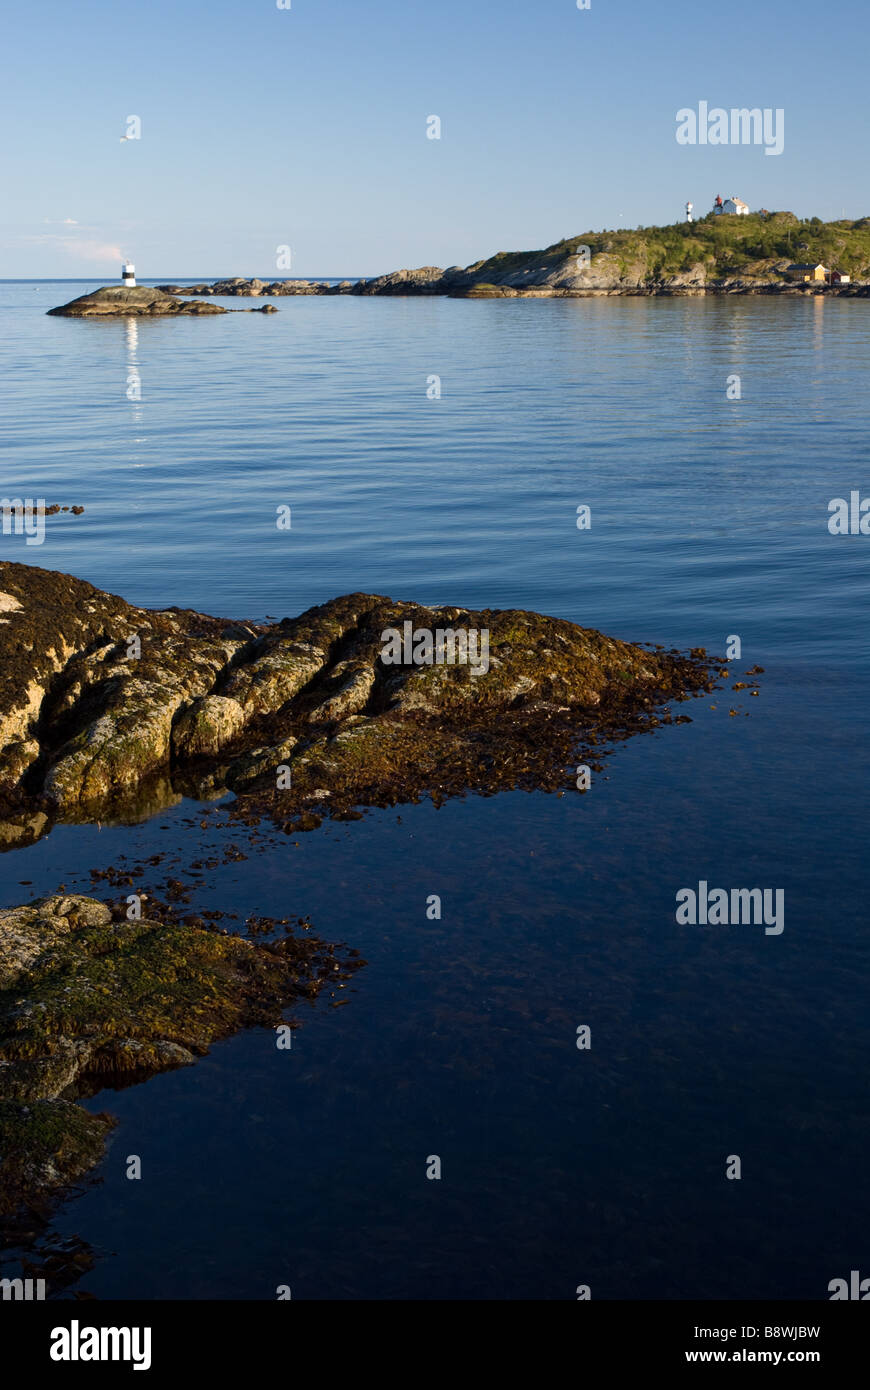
pixel 128 275
pixel 689 209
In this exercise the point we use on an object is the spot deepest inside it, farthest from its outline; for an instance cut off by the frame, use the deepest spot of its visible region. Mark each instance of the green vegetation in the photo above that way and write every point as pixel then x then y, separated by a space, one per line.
pixel 756 245
pixel 122 990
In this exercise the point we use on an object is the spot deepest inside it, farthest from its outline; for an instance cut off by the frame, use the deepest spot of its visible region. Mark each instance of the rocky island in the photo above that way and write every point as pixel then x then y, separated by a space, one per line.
pixel 139 301
pixel 113 301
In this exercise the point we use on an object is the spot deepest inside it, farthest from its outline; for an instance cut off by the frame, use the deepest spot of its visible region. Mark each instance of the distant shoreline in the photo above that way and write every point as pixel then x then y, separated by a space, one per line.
pixel 855 290
pixel 422 284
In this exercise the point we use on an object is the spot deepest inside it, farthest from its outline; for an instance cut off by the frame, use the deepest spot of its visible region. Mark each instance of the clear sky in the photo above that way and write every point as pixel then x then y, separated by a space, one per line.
pixel 306 127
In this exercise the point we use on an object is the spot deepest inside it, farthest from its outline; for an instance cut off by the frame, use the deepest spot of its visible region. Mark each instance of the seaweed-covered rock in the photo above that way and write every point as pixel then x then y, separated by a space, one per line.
pixel 86 1000
pixel 44 1147
pixel 367 698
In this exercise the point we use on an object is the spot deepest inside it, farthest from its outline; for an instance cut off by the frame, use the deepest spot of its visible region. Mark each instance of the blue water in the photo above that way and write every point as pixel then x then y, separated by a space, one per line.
pixel 709 519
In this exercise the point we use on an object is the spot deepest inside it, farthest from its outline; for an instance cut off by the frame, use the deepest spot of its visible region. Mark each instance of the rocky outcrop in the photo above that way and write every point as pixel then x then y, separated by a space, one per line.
pixel 427 280
pixel 252 289
pixel 113 300
pixel 100 700
pixel 88 998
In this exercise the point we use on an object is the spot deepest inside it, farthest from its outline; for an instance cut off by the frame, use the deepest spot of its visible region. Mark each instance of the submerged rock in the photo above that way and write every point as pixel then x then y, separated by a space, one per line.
pixel 140 300
pixel 99 699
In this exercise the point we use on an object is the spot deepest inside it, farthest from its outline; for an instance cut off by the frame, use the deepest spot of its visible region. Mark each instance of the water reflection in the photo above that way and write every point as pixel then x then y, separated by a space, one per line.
pixel 134 380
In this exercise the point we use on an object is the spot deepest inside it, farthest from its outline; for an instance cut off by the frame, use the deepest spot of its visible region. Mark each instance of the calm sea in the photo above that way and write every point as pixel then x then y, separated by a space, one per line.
pixel 560 1167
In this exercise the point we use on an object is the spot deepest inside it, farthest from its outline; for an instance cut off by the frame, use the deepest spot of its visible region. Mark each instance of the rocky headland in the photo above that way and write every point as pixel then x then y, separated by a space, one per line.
pixel 715 255
pixel 552 281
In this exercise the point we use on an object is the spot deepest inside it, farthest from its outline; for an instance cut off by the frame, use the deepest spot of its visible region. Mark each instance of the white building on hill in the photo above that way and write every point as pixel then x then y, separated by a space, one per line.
pixel 735 207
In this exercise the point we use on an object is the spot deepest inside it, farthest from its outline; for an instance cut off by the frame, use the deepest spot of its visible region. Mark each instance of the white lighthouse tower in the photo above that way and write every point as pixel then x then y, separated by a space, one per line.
pixel 689 210
pixel 128 275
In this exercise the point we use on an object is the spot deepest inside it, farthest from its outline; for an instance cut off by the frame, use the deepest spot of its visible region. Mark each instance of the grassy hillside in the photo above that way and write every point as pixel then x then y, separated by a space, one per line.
pixel 745 246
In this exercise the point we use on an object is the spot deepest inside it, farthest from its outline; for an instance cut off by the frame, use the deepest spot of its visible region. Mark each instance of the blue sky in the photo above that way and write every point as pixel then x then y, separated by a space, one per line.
pixel 307 127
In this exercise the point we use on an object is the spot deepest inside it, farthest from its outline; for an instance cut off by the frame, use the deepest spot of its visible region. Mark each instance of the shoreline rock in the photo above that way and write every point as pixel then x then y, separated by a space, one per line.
pixel 556 281
pixel 88 1001
pixel 101 703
